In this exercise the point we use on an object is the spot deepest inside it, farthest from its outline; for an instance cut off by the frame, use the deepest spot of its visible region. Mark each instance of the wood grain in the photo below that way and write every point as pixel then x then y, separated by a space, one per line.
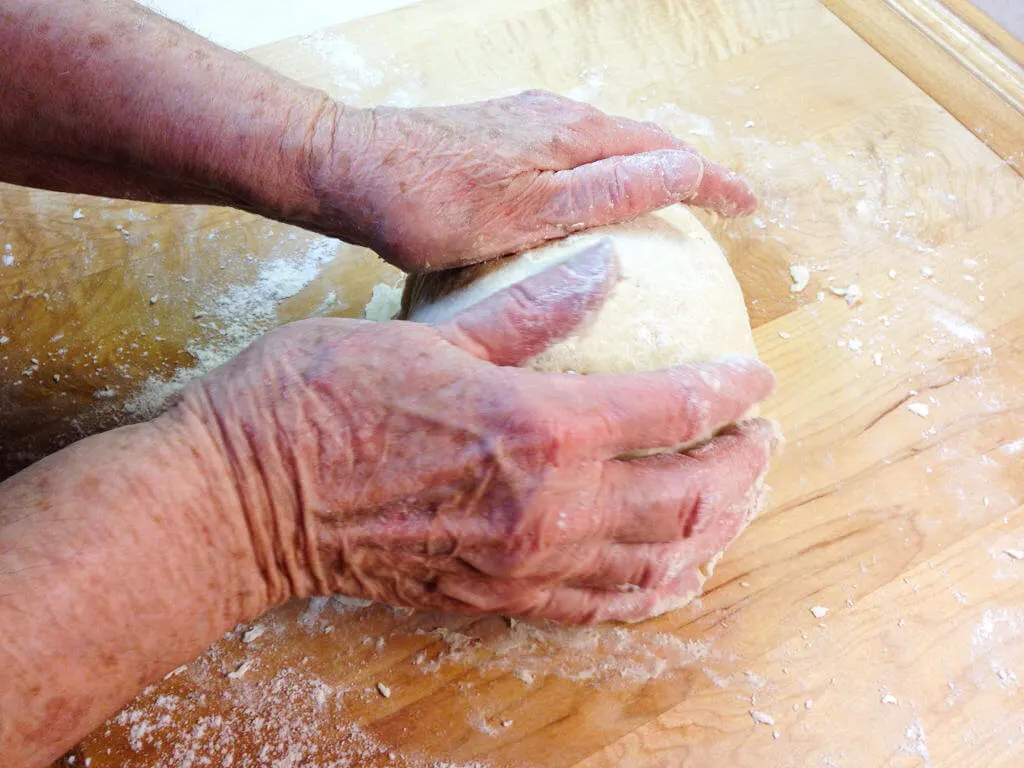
pixel 977 74
pixel 983 24
pixel 902 525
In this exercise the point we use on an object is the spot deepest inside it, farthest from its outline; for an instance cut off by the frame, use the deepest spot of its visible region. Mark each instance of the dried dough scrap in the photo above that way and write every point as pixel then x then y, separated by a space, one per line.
pixel 677 301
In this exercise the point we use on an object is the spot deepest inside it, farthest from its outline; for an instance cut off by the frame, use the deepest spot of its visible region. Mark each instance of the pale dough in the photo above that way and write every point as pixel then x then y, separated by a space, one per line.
pixel 677 301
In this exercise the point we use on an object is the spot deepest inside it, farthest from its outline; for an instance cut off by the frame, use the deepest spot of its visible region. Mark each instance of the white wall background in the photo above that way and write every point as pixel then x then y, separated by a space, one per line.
pixel 241 24
pixel 1009 13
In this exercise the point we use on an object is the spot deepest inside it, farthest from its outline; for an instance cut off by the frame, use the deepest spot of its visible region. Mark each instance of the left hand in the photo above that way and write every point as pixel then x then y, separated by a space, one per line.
pixel 444 186
pixel 416 465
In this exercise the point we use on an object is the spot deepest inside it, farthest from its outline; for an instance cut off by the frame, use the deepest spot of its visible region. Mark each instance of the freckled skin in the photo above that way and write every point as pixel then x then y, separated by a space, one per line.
pixel 405 463
pixel 410 465
pixel 102 96
pixel 439 187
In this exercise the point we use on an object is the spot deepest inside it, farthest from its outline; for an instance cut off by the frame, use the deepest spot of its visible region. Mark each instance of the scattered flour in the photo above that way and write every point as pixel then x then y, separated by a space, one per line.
pixel 236 318
pixel 606 654
pixel 274 704
pixel 348 65
pixel 915 742
pixel 292 720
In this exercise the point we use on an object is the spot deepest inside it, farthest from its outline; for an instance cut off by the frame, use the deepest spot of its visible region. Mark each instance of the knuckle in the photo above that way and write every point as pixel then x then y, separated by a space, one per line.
pixel 538 431
pixel 565 201
pixel 693 414
pixel 698 507
pixel 616 188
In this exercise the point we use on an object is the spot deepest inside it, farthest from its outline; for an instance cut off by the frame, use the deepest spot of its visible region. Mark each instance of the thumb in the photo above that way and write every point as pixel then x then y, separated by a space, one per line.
pixel 521 321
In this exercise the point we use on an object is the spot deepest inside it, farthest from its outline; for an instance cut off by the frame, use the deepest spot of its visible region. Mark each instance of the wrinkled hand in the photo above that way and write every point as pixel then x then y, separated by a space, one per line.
pixel 409 464
pixel 439 187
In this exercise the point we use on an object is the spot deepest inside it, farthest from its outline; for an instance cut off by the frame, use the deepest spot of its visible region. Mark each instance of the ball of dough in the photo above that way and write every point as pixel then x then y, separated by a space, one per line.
pixel 677 301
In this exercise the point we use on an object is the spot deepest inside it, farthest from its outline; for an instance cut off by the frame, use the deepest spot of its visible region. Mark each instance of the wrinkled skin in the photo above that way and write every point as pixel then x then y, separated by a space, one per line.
pixel 410 464
pixel 439 187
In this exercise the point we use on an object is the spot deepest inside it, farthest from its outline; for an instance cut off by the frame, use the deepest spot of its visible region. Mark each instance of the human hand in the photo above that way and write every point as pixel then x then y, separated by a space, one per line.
pixel 410 464
pixel 444 186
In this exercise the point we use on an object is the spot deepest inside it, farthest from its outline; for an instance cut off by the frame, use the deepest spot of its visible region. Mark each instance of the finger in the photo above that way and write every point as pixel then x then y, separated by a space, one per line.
pixel 566 604
pixel 613 414
pixel 652 566
pixel 721 189
pixel 521 321
pixel 623 187
pixel 584 605
pixel 671 497
pixel 599 136
pixel 663 513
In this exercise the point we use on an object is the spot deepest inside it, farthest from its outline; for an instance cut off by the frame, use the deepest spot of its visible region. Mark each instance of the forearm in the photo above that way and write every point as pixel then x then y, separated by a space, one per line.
pixel 104 96
pixel 121 558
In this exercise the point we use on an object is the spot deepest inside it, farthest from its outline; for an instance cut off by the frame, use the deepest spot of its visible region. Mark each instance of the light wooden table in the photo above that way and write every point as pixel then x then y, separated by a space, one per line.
pixel 886 140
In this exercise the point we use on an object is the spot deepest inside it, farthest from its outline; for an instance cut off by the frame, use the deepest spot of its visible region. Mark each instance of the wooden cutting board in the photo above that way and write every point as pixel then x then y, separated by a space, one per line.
pixel 874 616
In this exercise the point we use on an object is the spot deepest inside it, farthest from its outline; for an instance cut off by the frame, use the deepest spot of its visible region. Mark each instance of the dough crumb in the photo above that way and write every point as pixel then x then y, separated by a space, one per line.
pixel 241 669
pixel 889 699
pixel 525 675
pixel 801 276
pixel 254 633
pixel 761 718
pixel 819 611
pixel 78 214
pixel 852 293
pixel 918 409
pixel 384 303
pixel 383 690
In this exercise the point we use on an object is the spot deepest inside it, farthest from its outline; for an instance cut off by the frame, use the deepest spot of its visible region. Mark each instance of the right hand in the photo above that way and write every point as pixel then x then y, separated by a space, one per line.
pixel 412 465
pixel 437 187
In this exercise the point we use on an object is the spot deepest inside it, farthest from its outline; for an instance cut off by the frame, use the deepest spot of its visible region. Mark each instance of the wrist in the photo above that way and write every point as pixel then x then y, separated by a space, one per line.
pixel 208 530
pixel 326 149
pixel 257 482
pixel 125 553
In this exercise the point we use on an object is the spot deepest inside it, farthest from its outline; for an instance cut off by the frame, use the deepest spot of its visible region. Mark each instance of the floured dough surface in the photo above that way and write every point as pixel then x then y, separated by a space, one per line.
pixel 677 301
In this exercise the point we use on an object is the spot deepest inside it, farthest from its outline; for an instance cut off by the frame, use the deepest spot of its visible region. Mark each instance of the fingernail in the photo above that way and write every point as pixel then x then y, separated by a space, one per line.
pixel 597 262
